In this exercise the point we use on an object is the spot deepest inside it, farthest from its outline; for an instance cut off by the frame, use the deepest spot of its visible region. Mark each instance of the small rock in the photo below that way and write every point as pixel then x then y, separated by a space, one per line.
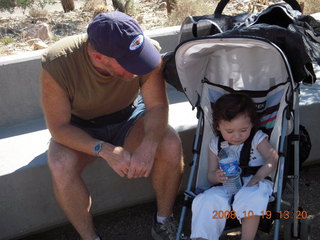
pixel 39 45
pixel 40 31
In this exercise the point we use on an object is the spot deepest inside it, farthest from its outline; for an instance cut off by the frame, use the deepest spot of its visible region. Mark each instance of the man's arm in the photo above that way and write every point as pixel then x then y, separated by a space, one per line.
pixel 155 124
pixel 57 110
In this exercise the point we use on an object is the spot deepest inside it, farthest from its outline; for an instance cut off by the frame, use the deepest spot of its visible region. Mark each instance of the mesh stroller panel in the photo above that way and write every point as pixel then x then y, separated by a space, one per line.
pixel 271 106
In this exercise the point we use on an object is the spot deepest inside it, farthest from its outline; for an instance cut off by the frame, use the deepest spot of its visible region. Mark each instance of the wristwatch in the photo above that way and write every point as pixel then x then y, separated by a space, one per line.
pixel 98 147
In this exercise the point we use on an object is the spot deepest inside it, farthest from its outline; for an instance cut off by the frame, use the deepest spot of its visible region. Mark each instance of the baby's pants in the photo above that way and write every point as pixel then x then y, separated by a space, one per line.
pixel 210 209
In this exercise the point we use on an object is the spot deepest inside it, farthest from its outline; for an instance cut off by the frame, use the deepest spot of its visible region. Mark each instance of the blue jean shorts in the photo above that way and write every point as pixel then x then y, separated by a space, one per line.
pixel 113 133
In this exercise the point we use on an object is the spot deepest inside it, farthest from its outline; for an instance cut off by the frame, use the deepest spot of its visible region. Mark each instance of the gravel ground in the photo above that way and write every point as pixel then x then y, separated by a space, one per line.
pixel 134 223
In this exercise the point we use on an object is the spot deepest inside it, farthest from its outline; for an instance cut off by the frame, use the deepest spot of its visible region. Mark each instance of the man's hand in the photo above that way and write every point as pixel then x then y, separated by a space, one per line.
pixel 141 163
pixel 117 158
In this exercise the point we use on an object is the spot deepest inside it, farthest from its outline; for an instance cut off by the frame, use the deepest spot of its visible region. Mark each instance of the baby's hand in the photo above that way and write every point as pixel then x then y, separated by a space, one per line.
pixel 220 176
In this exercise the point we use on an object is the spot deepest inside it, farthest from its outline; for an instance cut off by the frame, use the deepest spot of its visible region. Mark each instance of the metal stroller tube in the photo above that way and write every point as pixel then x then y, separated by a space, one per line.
pixel 280 180
pixel 196 145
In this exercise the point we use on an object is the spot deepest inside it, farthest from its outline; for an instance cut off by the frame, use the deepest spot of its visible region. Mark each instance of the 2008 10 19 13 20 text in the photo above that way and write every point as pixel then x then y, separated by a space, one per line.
pixel 264 214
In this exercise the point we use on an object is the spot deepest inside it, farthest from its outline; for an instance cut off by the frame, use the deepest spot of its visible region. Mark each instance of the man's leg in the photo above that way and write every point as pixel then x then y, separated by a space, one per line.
pixel 167 169
pixel 167 172
pixel 70 191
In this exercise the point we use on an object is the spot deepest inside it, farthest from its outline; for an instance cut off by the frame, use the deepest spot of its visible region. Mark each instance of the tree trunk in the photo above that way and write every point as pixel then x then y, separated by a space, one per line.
pixel 124 6
pixel 68 5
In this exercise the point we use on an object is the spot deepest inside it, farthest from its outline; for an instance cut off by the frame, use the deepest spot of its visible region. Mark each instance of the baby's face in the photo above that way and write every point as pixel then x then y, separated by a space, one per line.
pixel 237 130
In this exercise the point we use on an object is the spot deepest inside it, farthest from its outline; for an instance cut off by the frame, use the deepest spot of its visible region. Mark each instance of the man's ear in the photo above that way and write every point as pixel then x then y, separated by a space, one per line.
pixel 97 56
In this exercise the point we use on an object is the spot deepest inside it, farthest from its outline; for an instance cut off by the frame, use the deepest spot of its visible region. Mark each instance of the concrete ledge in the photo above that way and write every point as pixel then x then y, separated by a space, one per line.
pixel 310 115
pixel 27 203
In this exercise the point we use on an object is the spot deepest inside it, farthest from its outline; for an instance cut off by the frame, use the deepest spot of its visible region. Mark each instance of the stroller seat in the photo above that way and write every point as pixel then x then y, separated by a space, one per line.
pixel 211 67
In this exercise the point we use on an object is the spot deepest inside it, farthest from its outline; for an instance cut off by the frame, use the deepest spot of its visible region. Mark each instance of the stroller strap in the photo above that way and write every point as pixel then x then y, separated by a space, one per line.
pixel 244 155
pixel 221 5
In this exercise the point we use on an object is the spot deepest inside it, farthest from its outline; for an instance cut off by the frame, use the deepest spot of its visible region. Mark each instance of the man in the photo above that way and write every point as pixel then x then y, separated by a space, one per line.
pixel 89 83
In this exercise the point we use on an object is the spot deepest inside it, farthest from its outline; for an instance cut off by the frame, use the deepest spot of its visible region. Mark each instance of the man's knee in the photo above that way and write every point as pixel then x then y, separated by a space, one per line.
pixel 63 162
pixel 171 148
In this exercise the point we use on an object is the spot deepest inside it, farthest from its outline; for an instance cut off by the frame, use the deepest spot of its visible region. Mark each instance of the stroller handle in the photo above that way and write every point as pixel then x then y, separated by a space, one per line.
pixel 221 5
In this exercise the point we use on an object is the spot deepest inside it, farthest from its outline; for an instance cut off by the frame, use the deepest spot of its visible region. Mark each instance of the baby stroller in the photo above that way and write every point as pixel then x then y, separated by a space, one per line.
pixel 249 60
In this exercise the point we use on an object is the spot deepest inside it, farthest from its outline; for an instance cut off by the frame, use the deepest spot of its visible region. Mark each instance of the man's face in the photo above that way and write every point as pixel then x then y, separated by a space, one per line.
pixel 115 69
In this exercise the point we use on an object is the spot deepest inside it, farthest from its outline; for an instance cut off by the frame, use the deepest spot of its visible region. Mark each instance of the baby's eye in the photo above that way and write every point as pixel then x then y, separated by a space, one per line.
pixel 229 131
pixel 244 130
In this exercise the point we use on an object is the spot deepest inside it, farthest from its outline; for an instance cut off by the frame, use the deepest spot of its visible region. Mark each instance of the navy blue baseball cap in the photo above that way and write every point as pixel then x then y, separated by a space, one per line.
pixel 119 36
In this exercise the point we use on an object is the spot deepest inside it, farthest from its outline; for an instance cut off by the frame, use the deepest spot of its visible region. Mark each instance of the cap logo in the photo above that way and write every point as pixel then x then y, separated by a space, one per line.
pixel 136 42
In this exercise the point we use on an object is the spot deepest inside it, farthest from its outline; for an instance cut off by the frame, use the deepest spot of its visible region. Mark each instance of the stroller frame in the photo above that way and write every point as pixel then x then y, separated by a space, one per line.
pixel 289 113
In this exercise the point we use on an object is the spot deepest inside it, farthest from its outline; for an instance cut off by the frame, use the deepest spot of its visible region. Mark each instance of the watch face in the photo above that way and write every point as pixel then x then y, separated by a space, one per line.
pixel 97 148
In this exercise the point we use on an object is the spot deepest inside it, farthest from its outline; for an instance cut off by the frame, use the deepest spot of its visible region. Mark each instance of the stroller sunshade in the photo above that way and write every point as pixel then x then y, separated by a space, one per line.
pixel 240 63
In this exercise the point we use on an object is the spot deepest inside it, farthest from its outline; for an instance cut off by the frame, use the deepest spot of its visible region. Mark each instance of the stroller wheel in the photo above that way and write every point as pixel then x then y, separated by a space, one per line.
pixel 287 230
pixel 304 229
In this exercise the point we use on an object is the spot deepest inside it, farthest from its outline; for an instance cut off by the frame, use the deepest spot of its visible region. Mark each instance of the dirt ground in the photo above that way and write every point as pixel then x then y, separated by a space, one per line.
pixel 134 223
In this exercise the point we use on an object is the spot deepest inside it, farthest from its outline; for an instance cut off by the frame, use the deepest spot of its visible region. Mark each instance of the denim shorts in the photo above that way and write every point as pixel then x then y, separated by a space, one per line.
pixel 115 133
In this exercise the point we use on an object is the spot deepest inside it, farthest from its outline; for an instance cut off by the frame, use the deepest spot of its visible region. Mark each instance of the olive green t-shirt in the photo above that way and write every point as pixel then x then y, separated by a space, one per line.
pixel 91 94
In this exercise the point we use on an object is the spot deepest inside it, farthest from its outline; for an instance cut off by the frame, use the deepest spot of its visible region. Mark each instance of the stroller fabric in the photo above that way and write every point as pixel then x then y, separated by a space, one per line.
pixel 296 34
pixel 289 42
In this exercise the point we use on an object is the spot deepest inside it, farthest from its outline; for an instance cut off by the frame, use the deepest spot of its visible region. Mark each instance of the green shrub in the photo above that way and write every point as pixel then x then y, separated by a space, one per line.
pixel 6 41
pixel 9 5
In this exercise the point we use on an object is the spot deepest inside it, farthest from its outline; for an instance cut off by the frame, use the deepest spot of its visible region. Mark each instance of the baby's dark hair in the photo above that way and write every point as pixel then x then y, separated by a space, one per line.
pixel 230 106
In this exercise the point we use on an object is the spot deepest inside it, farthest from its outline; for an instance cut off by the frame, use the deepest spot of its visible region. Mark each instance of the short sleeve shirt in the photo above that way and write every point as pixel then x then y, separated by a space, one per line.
pixel 256 159
pixel 91 94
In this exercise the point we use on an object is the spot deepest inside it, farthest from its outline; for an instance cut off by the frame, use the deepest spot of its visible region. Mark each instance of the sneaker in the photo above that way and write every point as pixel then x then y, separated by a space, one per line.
pixel 165 231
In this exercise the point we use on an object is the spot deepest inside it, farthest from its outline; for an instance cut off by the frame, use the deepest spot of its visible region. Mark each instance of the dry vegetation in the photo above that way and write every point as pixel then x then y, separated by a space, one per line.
pixel 151 14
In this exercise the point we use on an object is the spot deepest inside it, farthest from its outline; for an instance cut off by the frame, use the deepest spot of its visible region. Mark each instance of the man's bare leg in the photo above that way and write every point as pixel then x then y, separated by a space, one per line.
pixel 167 169
pixel 70 191
pixel 167 172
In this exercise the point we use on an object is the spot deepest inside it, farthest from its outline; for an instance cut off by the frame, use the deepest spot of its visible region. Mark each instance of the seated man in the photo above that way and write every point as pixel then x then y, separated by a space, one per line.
pixel 90 85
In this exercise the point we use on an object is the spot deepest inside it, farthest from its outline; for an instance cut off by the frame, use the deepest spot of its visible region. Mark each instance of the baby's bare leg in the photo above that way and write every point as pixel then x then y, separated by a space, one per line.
pixel 249 227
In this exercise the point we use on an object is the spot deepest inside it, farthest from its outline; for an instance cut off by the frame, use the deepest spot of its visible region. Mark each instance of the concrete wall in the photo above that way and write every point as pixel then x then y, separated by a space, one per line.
pixel 19 88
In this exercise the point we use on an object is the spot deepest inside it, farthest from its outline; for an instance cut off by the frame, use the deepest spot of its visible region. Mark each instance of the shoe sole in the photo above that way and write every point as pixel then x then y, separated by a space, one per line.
pixel 155 235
